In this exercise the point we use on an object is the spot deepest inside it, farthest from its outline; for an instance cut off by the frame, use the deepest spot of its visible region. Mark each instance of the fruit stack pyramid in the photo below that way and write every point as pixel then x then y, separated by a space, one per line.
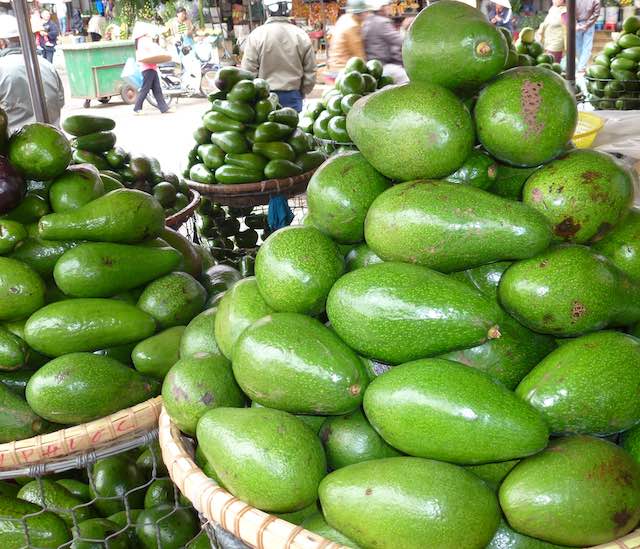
pixel 470 378
pixel 526 51
pixel 246 136
pixel 326 119
pixel 91 283
pixel 94 143
pixel 613 81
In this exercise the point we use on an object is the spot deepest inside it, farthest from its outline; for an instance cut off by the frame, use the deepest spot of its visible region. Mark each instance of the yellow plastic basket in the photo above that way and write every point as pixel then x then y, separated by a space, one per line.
pixel 588 127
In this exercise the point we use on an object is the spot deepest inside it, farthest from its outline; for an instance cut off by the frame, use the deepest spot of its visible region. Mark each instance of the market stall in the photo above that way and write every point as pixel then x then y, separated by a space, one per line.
pixel 439 349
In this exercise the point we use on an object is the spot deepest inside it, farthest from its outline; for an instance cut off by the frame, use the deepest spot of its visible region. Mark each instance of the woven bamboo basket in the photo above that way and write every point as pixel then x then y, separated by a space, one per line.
pixel 73 441
pixel 253 194
pixel 176 220
pixel 255 528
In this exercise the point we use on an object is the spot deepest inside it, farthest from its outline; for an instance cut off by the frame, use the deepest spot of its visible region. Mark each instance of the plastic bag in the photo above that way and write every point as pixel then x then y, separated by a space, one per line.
pixel 131 73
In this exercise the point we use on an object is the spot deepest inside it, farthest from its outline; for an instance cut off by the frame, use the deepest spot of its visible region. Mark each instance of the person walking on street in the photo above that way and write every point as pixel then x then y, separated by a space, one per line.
pixel 382 41
pixel 96 27
pixel 145 46
pixel 61 12
pixel 587 12
pixel 552 30
pixel 14 84
pixel 49 35
pixel 282 53
pixel 346 35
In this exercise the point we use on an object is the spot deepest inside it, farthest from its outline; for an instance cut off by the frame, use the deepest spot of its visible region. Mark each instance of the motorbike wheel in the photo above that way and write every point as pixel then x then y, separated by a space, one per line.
pixel 207 83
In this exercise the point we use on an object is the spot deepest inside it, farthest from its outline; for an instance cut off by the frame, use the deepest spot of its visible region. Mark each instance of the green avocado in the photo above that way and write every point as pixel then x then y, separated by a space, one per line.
pixel 99 529
pixel 236 110
pixel 435 504
pixel 280 168
pixel 509 181
pixel 80 387
pixel 17 419
pixel 46 530
pixel 17 382
pixel 359 257
pixel 218 122
pixel 114 479
pixel 82 124
pixel 77 186
pixel 363 310
pixel 96 159
pixel 526 116
pixel 292 362
pixel 239 308
pixel 123 215
pixel 191 260
pixel 155 355
pixel 30 210
pixel 340 193
pixel 160 492
pixel 580 491
pixel 451 226
pixel 443 410
pixel 201 174
pixel 350 439
pixel 274 150
pixel 173 527
pixel 583 194
pixel 199 336
pixel 431 118
pixel 42 255
pixel 475 50
pixel 565 384
pixel 295 269
pixel 249 161
pixel 507 538
pixel 103 269
pixel 55 497
pixel 76 488
pixel 197 384
pixel 272 131
pixel 622 245
pixel 479 170
pixel 286 116
pixel 569 290
pixel 211 155
pixel 39 151
pixel 110 183
pixel 254 475
pixel 173 300
pixel 11 234
pixel 493 473
pixel 232 175
pixel 97 142
pixel 86 324
pixel 116 158
pixel 21 289
pixel 230 141
pixel 318 525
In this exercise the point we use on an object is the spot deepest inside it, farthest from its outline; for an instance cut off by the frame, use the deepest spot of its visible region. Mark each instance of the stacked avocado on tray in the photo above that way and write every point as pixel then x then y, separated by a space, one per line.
pixel 94 143
pixel 444 355
pixel 613 81
pixel 246 136
pixel 326 119
pixel 125 501
pixel 95 291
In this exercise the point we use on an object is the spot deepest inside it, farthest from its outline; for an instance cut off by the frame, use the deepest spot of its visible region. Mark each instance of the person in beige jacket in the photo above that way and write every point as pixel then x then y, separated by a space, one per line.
pixel 282 54
pixel 346 36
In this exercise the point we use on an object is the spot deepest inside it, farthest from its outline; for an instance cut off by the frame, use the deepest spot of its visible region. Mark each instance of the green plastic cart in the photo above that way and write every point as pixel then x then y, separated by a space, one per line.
pixel 94 69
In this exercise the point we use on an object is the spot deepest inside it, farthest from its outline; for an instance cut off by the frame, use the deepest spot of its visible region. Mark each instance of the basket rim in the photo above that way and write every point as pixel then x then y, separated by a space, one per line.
pixel 177 219
pixel 254 527
pixel 78 439
pixel 267 186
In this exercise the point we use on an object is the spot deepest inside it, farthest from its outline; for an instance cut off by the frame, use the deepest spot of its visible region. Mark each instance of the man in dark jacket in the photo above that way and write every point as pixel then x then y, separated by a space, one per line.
pixel 382 41
pixel 49 36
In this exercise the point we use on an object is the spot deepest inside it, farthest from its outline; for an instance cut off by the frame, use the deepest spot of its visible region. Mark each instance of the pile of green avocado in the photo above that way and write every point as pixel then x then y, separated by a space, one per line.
pixel 94 144
pixel 246 136
pixel 95 291
pixel 613 81
pixel 440 356
pixel 326 119
pixel 526 51
pixel 125 501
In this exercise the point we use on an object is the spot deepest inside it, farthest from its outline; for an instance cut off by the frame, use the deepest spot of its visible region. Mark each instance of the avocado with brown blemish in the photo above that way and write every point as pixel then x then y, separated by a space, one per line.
pixel 622 244
pixel 583 194
pixel 569 290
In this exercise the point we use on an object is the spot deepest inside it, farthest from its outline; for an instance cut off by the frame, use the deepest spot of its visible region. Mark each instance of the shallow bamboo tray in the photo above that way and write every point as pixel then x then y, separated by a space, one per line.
pixel 253 194
pixel 176 220
pixel 77 440
pixel 255 528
